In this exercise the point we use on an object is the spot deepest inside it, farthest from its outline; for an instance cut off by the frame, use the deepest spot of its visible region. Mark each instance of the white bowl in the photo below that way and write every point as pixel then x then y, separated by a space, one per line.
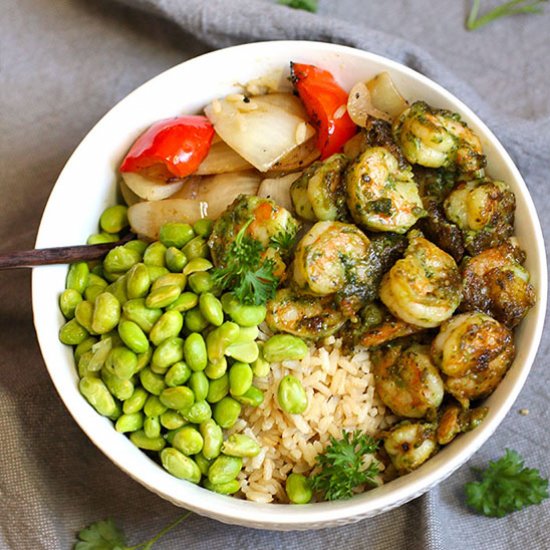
pixel 87 185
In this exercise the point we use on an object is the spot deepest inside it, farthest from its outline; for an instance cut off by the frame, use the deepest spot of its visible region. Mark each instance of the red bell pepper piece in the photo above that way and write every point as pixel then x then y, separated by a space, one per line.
pixel 173 147
pixel 323 98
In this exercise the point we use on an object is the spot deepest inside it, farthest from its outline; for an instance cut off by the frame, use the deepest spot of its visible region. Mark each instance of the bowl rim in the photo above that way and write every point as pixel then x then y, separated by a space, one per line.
pixel 282 516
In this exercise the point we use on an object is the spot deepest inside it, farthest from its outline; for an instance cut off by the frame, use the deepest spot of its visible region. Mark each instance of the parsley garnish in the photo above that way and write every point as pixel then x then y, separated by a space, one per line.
pixel 306 5
pixel 512 7
pixel 506 486
pixel 244 272
pixel 105 535
pixel 343 466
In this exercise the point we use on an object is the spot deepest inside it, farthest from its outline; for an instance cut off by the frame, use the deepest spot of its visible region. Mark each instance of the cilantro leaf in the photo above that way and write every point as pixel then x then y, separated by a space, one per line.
pixel 101 535
pixel 506 486
pixel 306 5
pixel 512 7
pixel 343 466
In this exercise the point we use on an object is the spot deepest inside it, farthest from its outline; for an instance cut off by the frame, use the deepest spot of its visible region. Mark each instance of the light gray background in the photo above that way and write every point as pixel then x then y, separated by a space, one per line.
pixel 63 64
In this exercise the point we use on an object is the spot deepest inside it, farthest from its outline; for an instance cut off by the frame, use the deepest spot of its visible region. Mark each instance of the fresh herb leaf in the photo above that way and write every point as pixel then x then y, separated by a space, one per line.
pixel 343 465
pixel 105 535
pixel 512 7
pixel 306 5
pixel 506 486
pixel 283 241
pixel 244 271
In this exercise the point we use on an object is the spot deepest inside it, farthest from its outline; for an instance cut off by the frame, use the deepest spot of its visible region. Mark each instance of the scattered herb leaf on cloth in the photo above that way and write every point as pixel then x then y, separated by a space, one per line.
pixel 105 535
pixel 343 466
pixel 306 5
pixel 506 486
pixel 512 7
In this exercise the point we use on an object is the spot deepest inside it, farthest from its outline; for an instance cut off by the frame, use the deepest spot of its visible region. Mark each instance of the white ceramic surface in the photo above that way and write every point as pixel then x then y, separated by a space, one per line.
pixel 87 185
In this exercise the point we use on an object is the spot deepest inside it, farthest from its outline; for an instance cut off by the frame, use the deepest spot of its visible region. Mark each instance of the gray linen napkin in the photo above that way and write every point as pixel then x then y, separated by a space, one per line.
pixel 63 64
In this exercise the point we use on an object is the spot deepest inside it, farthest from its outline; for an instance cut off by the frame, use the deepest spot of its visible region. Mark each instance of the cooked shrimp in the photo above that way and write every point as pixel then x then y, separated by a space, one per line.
pixel 385 332
pixel 424 287
pixel 474 352
pixel 455 420
pixel 484 211
pixel 303 315
pixel 407 381
pixel 496 282
pixel 381 195
pixel 318 194
pixel 329 257
pixel 410 444
pixel 270 224
pixel 437 138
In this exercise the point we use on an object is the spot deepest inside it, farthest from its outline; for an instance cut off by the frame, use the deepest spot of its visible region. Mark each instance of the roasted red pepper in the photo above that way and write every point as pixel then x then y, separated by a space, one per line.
pixel 170 148
pixel 325 103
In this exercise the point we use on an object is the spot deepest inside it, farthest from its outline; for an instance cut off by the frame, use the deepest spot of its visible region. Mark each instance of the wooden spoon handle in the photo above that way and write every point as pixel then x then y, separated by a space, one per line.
pixel 58 255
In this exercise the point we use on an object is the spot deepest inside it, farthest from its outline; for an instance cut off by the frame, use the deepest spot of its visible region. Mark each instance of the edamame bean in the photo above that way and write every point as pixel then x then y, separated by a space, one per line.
pixel 179 465
pixel 72 333
pixel 151 426
pixel 224 469
pixel 240 378
pixel 260 367
pixel 246 352
pixel 83 347
pixel 133 336
pixel 102 238
pixel 218 389
pixel 198 382
pixel 202 463
pixel 153 406
pixel 177 374
pixel 92 292
pixel 197 265
pixel 162 296
pixel 200 282
pixel 100 353
pixel 129 422
pixel 68 300
pixel 82 366
pixel 240 445
pixel 195 248
pixel 194 352
pixel 198 412
pixel 97 394
pixel 283 347
pixel 170 351
pixel 156 271
pixel 220 339
pixel 154 255
pixel 175 259
pixel 298 489
pixel 252 398
pixel 188 440
pixel 226 412
pixel 124 362
pixel 213 438
pixel 138 245
pixel 114 218
pixel 83 313
pixel 121 388
pixel 138 281
pixel 120 259
pixel 179 398
pixel 144 358
pixel 291 395
pixel 185 302
pixel 244 315
pixel 106 313
pixel 203 227
pixel 178 279
pixel 176 234
pixel 248 334
pixel 77 277
pixel 96 280
pixel 118 289
pixel 135 402
pixel 153 383
pixel 171 420
pixel 217 369
pixel 195 321
pixel 140 440
pixel 211 308
pixel 168 326
pixel 227 488
pixel 136 310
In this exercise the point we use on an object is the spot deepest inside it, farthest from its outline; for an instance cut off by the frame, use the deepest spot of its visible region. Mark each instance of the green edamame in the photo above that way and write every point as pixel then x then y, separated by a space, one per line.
pixel 140 440
pixel 168 326
pixel 244 315
pixel 260 367
pixel 226 412
pixel 195 248
pixel 185 302
pixel 102 238
pixel 153 406
pixel 156 271
pixel 252 398
pixel 240 378
pixel 224 469
pixel 176 234
pixel 124 362
pixel 175 259
pixel 138 245
pixel 155 255
pixel 169 351
pixel 179 398
pixel 283 347
pixel 98 395
pixel 133 336
pixel 220 339
pixel 203 227
pixel 152 382
pixel 188 440
pixel 291 395
pixel 177 374
pixel 163 296
pixel 178 279
pixel 135 402
pixel 118 289
pixel 68 300
pixel 77 277
pixel 213 438
pixel 227 488
pixel 240 445
pixel 211 308
pixel 84 346
pixel 200 282
pixel 83 313
pixel 196 265
pixel 298 489
pixel 179 465
pixel 138 281
pixel 199 383
pixel 246 352
pixel 203 463
pixel 72 333
pixel 217 369
pixel 151 426
pixel 106 313
pixel 121 388
pixel 136 310
pixel 171 420
pixel 218 389
pixel 114 218
pixel 195 321
pixel 130 422
pixel 198 412
pixel 194 352
pixel 120 259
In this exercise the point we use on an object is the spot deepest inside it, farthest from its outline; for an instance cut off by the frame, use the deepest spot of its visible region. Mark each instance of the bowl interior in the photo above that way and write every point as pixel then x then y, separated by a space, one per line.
pixel 87 185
